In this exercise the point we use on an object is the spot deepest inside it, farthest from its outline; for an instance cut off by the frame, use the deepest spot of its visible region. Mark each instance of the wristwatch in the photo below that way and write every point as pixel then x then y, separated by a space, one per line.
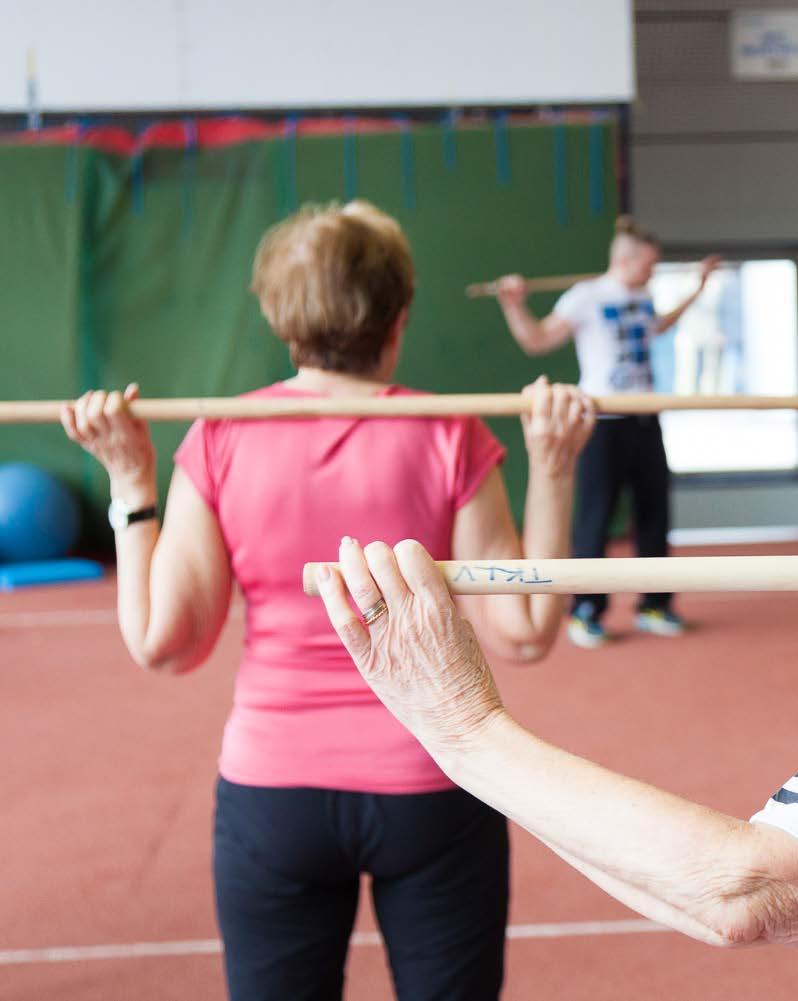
pixel 120 514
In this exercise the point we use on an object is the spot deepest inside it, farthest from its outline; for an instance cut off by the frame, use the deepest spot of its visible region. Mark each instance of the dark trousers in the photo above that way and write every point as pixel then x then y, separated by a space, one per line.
pixel 623 452
pixel 287 869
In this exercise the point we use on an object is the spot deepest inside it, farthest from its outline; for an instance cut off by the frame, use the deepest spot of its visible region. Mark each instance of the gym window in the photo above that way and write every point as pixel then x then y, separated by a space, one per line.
pixel 740 336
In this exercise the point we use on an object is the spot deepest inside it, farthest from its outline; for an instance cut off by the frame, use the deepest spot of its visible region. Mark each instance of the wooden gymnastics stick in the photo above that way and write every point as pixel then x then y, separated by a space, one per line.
pixel 554 283
pixel 610 576
pixel 551 283
pixel 421 405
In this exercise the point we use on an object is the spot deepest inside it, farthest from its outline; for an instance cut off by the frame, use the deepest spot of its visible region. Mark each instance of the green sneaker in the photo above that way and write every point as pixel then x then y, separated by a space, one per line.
pixel 660 622
pixel 584 629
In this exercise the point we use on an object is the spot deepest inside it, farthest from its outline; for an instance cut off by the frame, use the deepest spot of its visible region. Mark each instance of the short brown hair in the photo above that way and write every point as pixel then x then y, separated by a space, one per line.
pixel 332 281
pixel 626 226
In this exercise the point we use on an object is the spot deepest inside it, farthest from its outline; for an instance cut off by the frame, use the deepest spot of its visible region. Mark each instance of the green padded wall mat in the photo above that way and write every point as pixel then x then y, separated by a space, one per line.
pixel 120 268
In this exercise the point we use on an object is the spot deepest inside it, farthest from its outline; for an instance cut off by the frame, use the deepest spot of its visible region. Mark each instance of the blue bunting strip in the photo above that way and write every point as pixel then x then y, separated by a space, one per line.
pixel 189 174
pixel 560 139
pixel 71 167
pixel 350 161
pixel 408 156
pixel 137 180
pixel 448 123
pixel 289 159
pixel 502 142
pixel 597 169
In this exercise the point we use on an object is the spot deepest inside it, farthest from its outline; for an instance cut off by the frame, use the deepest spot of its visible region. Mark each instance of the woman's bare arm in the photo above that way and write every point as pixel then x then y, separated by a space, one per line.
pixel 524 628
pixel 173 583
pixel 173 588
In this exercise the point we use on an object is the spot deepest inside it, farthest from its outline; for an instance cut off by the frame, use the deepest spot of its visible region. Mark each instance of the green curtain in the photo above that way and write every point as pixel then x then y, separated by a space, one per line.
pixel 40 265
pixel 120 269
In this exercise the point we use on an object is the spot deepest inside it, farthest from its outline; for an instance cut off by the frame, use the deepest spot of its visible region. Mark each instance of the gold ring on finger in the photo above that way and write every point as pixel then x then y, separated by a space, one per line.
pixel 377 610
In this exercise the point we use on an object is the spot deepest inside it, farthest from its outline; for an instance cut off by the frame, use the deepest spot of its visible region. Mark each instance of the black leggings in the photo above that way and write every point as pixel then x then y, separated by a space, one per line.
pixel 287 864
pixel 624 451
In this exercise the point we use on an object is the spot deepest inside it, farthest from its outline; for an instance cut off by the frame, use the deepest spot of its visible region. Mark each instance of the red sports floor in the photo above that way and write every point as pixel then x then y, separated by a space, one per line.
pixel 107 782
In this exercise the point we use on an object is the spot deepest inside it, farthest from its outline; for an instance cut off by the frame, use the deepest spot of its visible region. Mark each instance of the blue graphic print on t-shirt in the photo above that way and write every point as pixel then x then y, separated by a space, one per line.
pixel 632 322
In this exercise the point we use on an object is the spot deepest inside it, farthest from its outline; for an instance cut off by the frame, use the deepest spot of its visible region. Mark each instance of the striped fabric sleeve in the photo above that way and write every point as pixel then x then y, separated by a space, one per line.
pixel 781 810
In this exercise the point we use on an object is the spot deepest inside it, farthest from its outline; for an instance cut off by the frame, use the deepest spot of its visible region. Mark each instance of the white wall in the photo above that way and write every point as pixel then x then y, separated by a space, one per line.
pixel 159 54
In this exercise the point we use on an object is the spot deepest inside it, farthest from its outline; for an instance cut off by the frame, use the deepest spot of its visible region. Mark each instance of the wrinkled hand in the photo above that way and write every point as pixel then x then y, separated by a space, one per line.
pixel 101 422
pixel 422 659
pixel 707 266
pixel 511 291
pixel 556 429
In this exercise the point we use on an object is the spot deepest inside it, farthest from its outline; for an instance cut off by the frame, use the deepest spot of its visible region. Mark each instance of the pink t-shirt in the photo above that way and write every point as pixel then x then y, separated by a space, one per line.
pixel 285 492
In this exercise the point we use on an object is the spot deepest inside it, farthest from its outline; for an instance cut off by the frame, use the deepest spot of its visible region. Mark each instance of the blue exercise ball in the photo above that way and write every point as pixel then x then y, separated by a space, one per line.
pixel 39 516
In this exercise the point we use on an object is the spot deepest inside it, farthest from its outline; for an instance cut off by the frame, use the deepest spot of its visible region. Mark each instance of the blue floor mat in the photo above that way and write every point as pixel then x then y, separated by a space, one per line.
pixel 16 575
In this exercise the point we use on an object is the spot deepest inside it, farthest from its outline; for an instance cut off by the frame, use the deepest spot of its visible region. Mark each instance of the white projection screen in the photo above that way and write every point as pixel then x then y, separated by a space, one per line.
pixel 108 55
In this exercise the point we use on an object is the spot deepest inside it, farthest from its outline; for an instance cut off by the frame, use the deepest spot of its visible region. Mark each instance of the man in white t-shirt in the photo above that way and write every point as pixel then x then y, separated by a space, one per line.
pixel 612 322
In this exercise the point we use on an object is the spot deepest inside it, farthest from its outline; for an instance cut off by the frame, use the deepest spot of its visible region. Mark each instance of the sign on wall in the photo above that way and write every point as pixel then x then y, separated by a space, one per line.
pixel 764 45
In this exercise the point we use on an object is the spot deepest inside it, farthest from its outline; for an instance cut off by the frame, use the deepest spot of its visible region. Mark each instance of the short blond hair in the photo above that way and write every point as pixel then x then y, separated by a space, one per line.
pixel 332 281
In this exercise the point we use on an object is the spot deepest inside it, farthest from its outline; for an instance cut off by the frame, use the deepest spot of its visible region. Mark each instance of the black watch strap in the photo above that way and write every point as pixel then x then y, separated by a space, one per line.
pixel 143 514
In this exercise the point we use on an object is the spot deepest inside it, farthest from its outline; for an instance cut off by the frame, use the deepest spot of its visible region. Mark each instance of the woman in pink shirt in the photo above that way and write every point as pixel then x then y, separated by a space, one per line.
pixel 318 782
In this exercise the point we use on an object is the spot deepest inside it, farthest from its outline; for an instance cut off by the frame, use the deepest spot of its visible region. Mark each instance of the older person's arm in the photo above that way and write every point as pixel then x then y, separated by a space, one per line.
pixel 713 877
pixel 560 420
pixel 710 876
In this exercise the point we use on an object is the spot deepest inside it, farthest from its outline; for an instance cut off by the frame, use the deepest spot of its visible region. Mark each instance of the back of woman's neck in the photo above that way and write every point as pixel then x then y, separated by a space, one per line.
pixel 337 383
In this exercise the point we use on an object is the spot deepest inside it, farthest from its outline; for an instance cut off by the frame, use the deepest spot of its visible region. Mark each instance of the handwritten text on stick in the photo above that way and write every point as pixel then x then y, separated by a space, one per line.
pixel 514 575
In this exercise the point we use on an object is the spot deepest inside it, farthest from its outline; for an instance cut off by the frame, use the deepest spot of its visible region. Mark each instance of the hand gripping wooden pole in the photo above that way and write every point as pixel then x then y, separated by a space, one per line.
pixel 404 405
pixel 610 576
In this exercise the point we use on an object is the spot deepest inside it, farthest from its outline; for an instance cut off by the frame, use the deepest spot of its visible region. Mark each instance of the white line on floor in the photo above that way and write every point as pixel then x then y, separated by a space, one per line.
pixel 212 946
pixel 569 929
pixel 132 950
